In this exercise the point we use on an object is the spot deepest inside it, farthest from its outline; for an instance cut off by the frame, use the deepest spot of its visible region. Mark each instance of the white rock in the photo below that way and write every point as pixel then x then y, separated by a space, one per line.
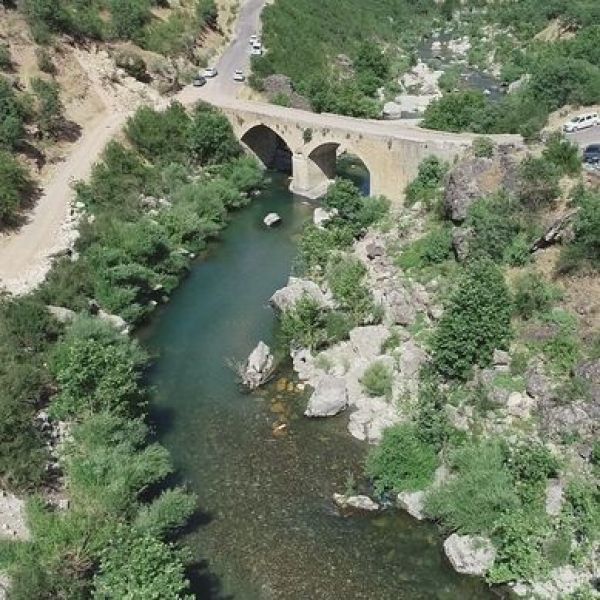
pixel 413 503
pixel 519 405
pixel 391 110
pixel 322 216
pixel 272 219
pixel 554 497
pixel 358 502
pixel 61 314
pixel 329 398
pixel 368 341
pixel 287 297
pixel 259 366
pixel 471 555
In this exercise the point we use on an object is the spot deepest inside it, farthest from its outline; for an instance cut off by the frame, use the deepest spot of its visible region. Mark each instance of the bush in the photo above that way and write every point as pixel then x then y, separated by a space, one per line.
pixel 533 295
pixel 97 369
pixel 433 248
pixel 425 187
pixel 13 113
pixel 431 420
pixel 346 280
pixel 480 493
pixel 483 147
pixel 475 322
pixel 210 137
pixel 128 17
pixel 44 61
pixel 316 246
pixel 402 462
pixel 304 325
pixel 49 110
pixel 16 187
pixel 584 251
pixel 538 183
pixel 563 154
pixel 377 380
pixel 5 59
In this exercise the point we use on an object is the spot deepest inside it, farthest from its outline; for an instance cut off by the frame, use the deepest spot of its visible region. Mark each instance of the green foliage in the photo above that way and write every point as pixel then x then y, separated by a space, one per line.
pixel 483 147
pixel 425 187
pixel 539 182
pixel 433 248
pixel 16 188
pixel 475 322
pixel 563 154
pixel 377 379
pixel 160 136
pixel 402 461
pixel 44 61
pixel 97 369
pixel 304 325
pixel 431 420
pixel 210 137
pixel 5 58
pixel 583 253
pixel 13 113
pixel 457 111
pixel 140 567
pixel 533 295
pixel 480 493
pixel 563 349
pixel 345 276
pixel 50 110
pixel 129 17
pixel 316 246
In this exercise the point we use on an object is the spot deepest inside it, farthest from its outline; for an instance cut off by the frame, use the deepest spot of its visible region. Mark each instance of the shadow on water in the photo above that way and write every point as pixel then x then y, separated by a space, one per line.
pixel 268 529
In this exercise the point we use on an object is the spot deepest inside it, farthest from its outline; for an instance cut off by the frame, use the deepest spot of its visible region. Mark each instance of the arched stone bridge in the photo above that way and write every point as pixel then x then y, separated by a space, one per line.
pixel 307 144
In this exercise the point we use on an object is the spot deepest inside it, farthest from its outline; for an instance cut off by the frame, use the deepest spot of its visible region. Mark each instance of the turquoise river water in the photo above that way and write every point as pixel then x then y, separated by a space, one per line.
pixel 268 528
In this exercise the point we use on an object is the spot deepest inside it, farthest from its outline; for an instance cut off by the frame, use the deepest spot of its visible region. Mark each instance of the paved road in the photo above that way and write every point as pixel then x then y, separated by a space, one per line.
pixel 236 56
pixel 586 136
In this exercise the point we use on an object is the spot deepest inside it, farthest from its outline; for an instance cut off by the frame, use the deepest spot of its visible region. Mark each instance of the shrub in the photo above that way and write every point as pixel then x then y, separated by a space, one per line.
pixel 140 567
pixel 533 295
pixel 96 369
pixel 479 494
pixel 304 325
pixel 50 110
pixel 377 379
pixel 16 187
pixel 538 182
pixel 345 276
pixel 483 147
pixel 584 251
pixel 44 61
pixel 426 186
pixel 563 154
pixel 5 59
pixel 496 225
pixel 457 111
pixel 402 461
pixel 128 17
pixel 475 322
pixel 12 116
pixel 316 246
pixel 210 137
pixel 433 248
pixel 431 420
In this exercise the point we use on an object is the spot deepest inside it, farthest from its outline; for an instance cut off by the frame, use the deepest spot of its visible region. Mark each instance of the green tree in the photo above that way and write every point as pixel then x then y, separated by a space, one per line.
pixel 538 182
pixel 12 116
pixel 210 137
pixel 50 110
pixel 16 187
pixel 475 322
pixel 128 17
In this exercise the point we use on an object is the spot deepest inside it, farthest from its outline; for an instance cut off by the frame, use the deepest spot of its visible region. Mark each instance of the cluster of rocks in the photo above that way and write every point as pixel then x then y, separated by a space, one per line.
pixel 258 368
pixel 280 86
pixel 66 315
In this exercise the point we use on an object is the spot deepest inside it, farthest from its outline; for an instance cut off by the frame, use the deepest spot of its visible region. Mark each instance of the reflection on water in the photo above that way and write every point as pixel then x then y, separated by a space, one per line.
pixel 269 529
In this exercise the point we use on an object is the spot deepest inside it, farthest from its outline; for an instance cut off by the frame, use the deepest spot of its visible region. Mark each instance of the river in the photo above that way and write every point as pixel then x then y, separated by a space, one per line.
pixel 268 529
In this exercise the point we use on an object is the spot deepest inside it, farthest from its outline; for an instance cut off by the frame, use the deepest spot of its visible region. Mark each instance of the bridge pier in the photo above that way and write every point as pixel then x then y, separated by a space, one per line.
pixel 308 179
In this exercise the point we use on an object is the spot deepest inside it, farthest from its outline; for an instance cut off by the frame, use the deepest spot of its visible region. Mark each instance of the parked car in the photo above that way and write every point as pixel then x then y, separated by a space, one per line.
pixel 199 81
pixel 581 122
pixel 256 50
pixel 591 154
pixel 238 76
pixel 210 72
pixel 253 39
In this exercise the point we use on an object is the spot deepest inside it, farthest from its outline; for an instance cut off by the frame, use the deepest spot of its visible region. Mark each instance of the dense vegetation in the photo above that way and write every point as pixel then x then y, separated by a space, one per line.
pixel 116 537
pixel 338 59
pixel 127 20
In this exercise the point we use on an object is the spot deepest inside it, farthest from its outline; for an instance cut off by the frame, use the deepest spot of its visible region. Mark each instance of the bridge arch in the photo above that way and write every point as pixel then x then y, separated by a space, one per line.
pixel 268 146
pixel 322 163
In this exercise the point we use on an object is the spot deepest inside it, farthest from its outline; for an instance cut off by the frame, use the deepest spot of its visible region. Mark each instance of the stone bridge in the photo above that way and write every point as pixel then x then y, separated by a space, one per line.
pixel 307 145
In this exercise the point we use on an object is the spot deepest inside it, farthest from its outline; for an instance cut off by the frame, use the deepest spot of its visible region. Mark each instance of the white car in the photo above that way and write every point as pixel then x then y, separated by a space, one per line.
pixel 238 76
pixel 256 50
pixel 253 39
pixel 581 122
pixel 210 72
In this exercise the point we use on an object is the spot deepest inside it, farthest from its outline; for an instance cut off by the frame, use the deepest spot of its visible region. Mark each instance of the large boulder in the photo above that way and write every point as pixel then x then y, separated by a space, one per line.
pixel 277 86
pixel 559 231
pixel 461 239
pixel 470 555
pixel 61 314
pixel 589 371
pixel 321 216
pixel 398 306
pixel 329 397
pixel 272 219
pixel 412 357
pixel 368 341
pixel 474 178
pixel 413 503
pixel 259 366
pixel 287 297
pixel 358 502
pixel 391 111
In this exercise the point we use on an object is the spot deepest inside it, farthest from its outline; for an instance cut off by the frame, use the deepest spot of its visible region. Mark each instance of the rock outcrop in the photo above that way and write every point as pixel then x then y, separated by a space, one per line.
pixel 259 366
pixel 321 216
pixel 296 289
pixel 474 178
pixel 329 397
pixel 272 219
pixel 470 555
